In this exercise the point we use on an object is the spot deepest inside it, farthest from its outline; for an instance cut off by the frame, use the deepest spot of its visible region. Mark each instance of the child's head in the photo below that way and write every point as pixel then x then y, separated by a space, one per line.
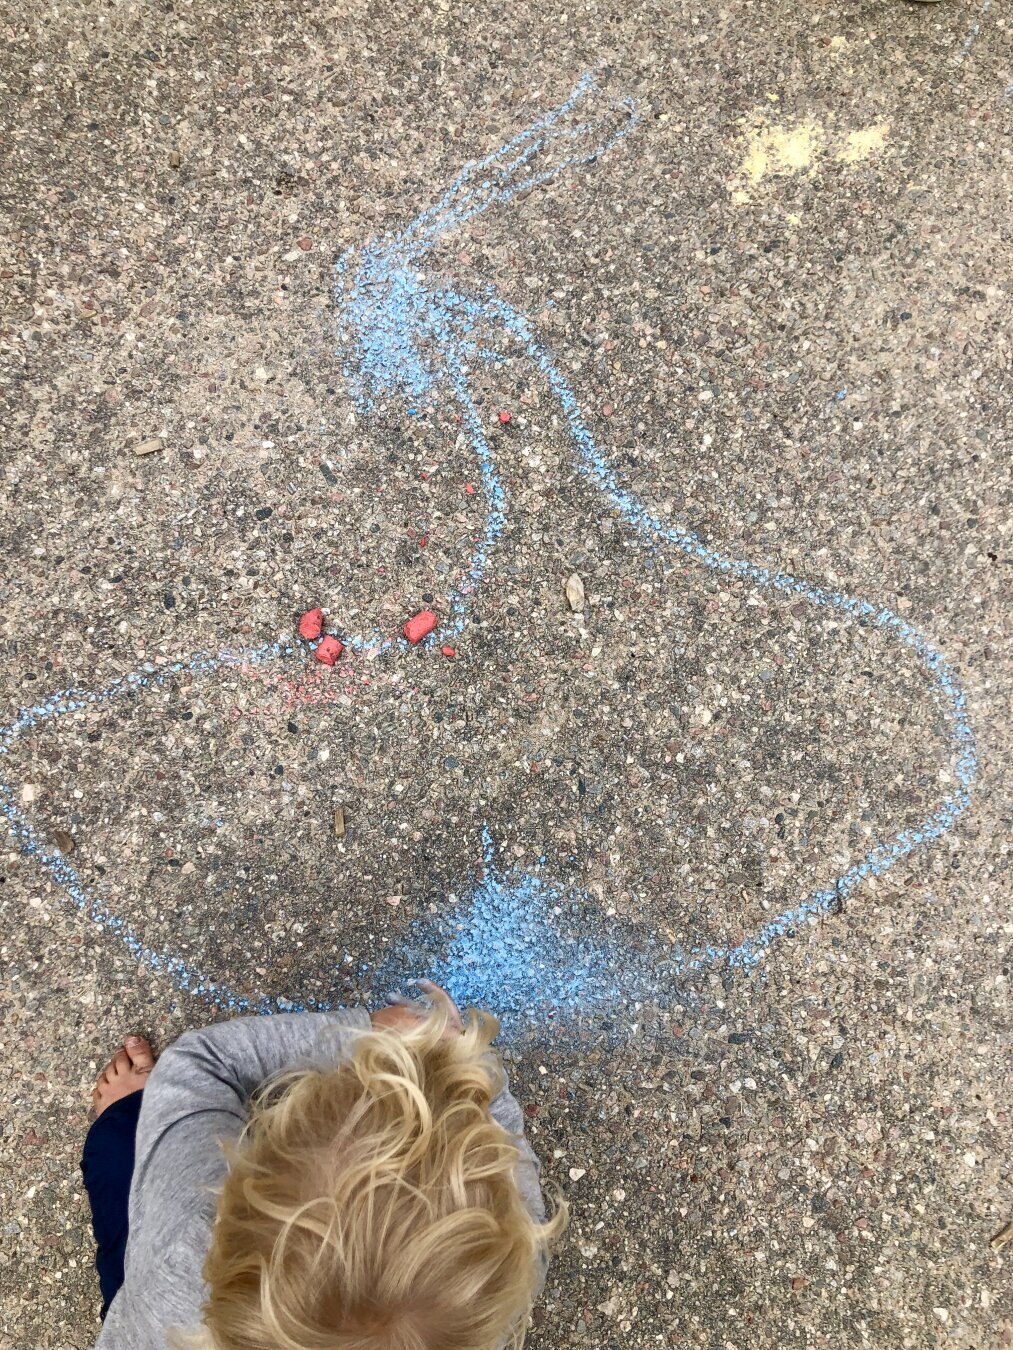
pixel 374 1206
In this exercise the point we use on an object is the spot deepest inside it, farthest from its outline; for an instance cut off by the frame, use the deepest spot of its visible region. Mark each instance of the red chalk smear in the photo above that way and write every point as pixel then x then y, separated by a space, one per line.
pixel 328 650
pixel 505 417
pixel 311 624
pixel 417 628
pixel 449 651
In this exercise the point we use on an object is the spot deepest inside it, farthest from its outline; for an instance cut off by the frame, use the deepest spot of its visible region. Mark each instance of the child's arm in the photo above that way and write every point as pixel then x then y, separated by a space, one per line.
pixel 199 1091
pixel 196 1097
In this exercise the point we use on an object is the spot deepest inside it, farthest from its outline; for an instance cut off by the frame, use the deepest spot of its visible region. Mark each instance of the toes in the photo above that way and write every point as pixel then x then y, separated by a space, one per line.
pixel 133 1061
pixel 120 1063
pixel 139 1053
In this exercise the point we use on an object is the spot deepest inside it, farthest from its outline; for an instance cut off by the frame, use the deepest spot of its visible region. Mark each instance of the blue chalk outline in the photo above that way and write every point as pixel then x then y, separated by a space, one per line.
pixel 410 338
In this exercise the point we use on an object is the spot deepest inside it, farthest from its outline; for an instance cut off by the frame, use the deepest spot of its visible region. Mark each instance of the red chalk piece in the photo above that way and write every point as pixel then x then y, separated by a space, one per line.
pixel 505 417
pixel 449 651
pixel 417 628
pixel 470 489
pixel 311 624
pixel 328 650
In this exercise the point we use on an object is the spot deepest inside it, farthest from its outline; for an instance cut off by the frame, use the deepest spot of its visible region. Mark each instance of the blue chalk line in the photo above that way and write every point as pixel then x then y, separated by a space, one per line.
pixel 414 339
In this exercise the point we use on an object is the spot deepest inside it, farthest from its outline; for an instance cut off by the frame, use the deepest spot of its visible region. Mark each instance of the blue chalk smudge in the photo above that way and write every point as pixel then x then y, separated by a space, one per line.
pixel 520 947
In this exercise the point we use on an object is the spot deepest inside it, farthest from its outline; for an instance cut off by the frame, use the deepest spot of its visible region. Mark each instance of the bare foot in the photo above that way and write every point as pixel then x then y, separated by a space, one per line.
pixel 126 1072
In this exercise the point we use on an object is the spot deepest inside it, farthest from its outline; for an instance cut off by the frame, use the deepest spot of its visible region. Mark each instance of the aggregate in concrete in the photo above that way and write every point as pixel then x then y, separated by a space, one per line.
pixel 780 300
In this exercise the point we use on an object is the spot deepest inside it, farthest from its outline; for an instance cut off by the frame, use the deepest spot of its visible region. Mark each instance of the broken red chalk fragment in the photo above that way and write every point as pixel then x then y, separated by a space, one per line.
pixel 449 651
pixel 328 650
pixel 505 418
pixel 418 627
pixel 311 624
pixel 470 489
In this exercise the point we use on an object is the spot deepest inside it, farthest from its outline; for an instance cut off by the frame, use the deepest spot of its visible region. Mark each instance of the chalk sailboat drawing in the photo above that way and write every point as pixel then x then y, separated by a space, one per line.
pixel 408 336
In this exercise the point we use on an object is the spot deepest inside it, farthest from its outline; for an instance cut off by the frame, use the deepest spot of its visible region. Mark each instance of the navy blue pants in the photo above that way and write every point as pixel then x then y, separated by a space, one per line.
pixel 107 1164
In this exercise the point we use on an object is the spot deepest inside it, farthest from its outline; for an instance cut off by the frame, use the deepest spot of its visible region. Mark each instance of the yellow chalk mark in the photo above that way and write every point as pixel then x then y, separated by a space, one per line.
pixel 780 150
pixel 864 142
pixel 785 151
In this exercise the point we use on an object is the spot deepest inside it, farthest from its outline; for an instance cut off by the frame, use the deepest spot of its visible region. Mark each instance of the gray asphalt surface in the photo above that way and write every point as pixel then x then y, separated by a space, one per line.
pixel 774 1090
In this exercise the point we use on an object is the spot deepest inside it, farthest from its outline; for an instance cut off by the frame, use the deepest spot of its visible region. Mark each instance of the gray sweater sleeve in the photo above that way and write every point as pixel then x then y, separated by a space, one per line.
pixel 196 1099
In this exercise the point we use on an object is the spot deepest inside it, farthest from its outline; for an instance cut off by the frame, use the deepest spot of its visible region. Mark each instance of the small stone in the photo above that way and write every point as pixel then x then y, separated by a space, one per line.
pixel 393 900
pixel 29 793
pixel 63 841
pixel 575 593
pixel 577 1172
pixel 149 446
pixel 305 243
pixel 175 159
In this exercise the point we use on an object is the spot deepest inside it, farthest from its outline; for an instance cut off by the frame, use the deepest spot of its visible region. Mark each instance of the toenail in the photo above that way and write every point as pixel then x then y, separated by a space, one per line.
pixel 133 1040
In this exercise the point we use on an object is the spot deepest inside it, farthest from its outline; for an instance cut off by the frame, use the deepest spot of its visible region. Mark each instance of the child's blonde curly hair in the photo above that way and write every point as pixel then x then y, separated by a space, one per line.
pixel 374 1206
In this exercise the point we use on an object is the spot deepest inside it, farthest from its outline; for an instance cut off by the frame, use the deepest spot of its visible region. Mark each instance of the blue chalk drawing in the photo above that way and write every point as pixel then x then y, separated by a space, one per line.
pixel 411 338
